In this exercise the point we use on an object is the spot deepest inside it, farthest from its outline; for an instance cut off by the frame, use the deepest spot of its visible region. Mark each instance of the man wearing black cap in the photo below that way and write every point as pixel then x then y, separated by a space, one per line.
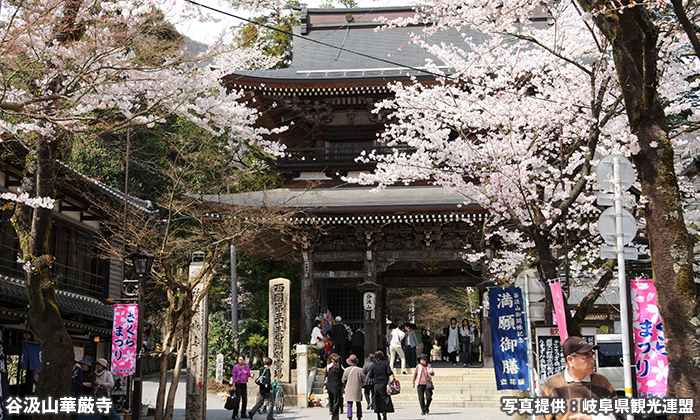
pixel 577 381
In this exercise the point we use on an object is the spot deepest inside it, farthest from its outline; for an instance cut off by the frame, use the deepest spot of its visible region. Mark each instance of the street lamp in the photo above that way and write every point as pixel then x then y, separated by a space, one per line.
pixel 142 261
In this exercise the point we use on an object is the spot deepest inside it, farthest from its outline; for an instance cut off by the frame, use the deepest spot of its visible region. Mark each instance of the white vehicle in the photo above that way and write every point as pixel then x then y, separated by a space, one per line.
pixel 610 359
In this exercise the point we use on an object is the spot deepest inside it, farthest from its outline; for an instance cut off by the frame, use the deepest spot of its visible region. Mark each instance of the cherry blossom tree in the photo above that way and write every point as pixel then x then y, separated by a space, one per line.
pixel 536 96
pixel 71 66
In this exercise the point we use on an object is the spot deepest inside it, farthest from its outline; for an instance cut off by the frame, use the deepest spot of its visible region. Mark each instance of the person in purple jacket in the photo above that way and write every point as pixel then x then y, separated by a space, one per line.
pixel 239 378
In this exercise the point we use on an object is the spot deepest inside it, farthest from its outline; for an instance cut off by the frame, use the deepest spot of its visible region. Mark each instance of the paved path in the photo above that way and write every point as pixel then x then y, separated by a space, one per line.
pixel 215 410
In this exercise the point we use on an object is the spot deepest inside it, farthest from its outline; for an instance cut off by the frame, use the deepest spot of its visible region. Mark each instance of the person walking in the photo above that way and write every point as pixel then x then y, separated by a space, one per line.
pixel 104 381
pixel 443 343
pixel 353 380
pixel 368 383
pixel 358 344
pixel 78 378
pixel 239 378
pixel 423 382
pixel 411 344
pixel 427 341
pixel 334 385
pixel 318 340
pixel 476 346
pixel 380 373
pixel 453 341
pixel 466 338
pixel 339 335
pixel 265 392
pixel 397 335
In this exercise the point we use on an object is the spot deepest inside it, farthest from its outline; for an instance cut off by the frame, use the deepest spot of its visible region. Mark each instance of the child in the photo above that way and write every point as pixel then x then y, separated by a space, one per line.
pixel 436 353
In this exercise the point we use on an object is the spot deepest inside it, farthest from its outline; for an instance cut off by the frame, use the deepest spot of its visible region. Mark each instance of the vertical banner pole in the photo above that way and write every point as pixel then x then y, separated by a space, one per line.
pixel 624 309
pixel 530 362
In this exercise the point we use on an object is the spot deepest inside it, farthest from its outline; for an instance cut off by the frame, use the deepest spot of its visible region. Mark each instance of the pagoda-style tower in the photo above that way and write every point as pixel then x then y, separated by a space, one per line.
pixel 352 241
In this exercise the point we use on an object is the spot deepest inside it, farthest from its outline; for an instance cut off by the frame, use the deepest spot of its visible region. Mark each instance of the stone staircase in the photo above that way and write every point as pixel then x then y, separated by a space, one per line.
pixel 454 387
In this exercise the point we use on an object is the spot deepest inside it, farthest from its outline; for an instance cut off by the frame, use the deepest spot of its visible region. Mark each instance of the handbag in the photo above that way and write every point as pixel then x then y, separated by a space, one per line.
pixel 429 385
pixel 230 403
pixel 393 387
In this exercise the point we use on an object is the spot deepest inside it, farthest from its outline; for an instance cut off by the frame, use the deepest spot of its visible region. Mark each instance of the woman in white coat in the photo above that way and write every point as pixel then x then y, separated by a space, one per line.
pixel 397 334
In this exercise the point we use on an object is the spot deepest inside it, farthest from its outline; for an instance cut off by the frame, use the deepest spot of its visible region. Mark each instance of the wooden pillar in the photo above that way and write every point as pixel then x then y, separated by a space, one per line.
pixel 372 318
pixel 307 296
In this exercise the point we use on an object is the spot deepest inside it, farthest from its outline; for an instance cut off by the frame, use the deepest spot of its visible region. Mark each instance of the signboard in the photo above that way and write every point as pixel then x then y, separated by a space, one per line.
pixel 124 339
pixel 550 353
pixel 370 300
pixel 509 338
pixel 649 343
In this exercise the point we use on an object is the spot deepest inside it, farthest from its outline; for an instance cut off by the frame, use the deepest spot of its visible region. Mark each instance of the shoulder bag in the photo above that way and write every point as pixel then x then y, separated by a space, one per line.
pixel 261 380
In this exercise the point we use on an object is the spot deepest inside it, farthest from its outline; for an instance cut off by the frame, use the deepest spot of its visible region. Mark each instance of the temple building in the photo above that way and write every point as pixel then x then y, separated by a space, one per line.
pixel 350 240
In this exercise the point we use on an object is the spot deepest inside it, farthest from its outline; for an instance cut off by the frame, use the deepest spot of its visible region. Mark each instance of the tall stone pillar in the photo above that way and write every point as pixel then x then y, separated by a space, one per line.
pixel 197 355
pixel 307 296
pixel 486 348
pixel 278 343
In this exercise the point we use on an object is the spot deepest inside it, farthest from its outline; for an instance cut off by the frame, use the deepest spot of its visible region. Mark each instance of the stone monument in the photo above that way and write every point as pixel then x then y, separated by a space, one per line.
pixel 278 343
pixel 219 368
pixel 197 354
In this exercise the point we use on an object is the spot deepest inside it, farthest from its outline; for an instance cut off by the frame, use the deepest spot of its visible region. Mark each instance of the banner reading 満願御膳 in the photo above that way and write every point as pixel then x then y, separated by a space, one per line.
pixel 124 336
pixel 509 338
pixel 649 344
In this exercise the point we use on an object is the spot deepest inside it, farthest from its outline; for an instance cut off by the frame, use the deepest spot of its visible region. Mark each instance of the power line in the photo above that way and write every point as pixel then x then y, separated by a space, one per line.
pixel 325 44
pixel 383 60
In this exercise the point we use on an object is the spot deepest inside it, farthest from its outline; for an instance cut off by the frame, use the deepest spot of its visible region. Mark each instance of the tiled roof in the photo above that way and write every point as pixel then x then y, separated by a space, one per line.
pixel 326 51
pixel 352 198
pixel 142 205
pixel 66 301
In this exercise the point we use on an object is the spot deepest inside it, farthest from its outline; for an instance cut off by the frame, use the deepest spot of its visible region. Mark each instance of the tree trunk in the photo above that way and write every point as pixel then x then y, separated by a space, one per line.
pixel 169 342
pixel 181 352
pixel 634 40
pixel 33 226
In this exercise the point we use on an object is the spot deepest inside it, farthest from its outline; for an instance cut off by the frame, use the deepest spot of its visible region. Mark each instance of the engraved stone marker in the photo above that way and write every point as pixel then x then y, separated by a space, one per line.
pixel 278 344
pixel 219 368
pixel 197 355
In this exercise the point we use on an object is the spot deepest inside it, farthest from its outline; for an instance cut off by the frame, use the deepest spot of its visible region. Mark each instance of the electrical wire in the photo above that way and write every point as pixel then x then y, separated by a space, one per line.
pixel 325 44
pixel 382 60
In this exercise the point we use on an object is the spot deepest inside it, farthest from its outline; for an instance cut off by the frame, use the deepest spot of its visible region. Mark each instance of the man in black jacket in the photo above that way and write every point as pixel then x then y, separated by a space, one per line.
pixel 265 392
pixel 339 334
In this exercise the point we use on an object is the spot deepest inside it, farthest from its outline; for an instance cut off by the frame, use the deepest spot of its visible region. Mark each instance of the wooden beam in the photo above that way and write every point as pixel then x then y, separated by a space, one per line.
pixel 447 281
pixel 420 255
pixel 339 274
pixel 326 256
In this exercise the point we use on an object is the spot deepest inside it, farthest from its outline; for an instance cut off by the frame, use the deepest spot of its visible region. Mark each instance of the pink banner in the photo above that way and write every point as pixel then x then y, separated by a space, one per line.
pixel 124 339
pixel 558 301
pixel 649 344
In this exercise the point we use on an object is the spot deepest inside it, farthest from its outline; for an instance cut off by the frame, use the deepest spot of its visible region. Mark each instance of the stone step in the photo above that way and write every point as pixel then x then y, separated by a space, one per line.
pixel 455 387
pixel 408 395
pixel 450 404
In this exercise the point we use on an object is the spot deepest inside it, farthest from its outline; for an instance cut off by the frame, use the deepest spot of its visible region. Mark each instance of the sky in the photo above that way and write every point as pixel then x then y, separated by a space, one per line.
pixel 207 32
